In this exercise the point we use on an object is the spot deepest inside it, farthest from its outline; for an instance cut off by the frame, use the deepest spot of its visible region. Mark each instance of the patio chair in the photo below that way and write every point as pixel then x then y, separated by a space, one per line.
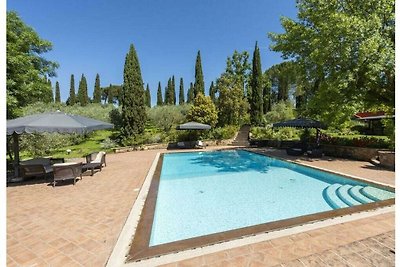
pixel 39 167
pixel 95 160
pixel 67 171
pixel 296 150
pixel 199 144
pixel 315 152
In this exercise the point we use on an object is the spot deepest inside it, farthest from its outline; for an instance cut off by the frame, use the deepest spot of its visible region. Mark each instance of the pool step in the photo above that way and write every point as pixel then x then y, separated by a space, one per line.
pixel 376 193
pixel 355 192
pixel 332 198
pixel 342 196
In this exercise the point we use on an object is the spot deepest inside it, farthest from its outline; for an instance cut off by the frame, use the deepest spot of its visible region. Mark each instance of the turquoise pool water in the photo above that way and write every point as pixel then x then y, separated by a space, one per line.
pixel 203 193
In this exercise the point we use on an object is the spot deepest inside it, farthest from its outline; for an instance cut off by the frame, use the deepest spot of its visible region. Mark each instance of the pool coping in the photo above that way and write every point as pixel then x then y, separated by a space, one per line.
pixel 141 252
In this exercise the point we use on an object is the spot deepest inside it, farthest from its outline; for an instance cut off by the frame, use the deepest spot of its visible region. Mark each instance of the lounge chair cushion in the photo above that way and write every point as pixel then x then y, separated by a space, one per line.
pixel 98 157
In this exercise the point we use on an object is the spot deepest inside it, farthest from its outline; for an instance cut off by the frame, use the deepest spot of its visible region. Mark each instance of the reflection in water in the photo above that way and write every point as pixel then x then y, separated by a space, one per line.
pixel 233 161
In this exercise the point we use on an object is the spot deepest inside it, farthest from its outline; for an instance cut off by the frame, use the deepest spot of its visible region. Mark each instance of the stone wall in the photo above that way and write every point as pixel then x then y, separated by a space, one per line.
pixel 358 153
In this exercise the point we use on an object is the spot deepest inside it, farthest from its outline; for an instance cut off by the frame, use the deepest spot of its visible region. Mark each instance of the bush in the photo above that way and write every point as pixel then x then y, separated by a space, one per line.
pixel 226 132
pixel 167 117
pixel 281 111
pixel 366 141
pixel 269 133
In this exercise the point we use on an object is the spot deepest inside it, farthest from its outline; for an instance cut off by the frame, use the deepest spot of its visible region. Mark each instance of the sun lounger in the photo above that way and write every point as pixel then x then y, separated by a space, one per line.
pixel 95 160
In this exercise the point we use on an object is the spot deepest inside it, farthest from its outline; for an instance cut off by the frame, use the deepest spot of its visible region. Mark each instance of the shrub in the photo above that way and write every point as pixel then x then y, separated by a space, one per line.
pixel 281 111
pixel 167 117
pixel 366 141
pixel 226 132
pixel 269 133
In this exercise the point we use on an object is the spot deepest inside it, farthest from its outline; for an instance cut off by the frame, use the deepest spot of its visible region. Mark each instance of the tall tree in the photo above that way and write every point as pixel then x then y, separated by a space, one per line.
pixel 348 63
pixel 181 92
pixel 49 96
pixel 256 104
pixel 83 98
pixel 212 91
pixel 132 102
pixel 198 76
pixel 231 104
pixel 173 93
pixel 72 98
pixel 27 69
pixel 97 90
pixel 57 98
pixel 159 95
pixel 148 96
pixel 190 94
pixel 203 111
pixel 239 69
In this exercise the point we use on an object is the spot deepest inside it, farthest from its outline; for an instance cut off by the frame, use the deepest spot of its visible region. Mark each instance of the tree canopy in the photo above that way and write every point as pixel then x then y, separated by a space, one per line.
pixel 203 111
pixel 198 76
pixel 256 83
pixel 97 90
pixel 27 69
pixel 346 50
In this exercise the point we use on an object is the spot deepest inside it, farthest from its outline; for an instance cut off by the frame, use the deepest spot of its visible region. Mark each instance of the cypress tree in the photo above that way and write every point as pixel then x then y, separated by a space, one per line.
pixel 173 93
pixel 97 90
pixel 83 98
pixel 190 96
pixel 132 102
pixel 110 95
pixel 71 99
pixel 58 96
pixel 256 83
pixel 49 96
pixel 148 96
pixel 159 95
pixel 181 93
pixel 212 92
pixel 198 76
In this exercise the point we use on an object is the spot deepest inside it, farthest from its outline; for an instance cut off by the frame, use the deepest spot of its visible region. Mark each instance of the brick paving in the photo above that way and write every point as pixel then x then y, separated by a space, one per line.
pixel 79 225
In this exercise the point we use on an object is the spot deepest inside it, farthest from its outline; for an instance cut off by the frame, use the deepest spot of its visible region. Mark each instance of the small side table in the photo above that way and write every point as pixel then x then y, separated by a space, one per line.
pixel 90 166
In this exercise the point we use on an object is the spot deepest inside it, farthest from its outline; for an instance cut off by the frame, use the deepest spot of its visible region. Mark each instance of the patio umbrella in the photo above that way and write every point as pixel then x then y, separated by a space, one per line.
pixel 302 123
pixel 193 126
pixel 54 122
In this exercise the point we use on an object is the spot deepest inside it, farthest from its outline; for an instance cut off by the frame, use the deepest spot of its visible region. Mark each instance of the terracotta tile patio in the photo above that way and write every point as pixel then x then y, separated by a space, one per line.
pixel 79 225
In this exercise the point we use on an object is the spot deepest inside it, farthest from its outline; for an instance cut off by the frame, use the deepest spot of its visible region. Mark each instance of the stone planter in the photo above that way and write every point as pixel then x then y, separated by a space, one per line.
pixel 387 159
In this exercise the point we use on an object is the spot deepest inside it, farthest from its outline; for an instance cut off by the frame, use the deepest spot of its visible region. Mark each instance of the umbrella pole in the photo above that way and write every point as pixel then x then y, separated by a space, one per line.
pixel 16 154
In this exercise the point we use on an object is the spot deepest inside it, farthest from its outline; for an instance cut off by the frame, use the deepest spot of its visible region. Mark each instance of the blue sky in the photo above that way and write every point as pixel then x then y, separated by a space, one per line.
pixel 92 37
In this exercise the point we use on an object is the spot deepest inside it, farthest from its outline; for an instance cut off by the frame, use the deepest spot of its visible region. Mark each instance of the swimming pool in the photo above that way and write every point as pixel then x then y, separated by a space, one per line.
pixel 201 194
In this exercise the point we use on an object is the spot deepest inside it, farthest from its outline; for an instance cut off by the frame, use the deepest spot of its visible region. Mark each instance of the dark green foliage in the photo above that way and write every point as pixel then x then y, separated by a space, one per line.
pixel 83 98
pixel 148 96
pixel 212 91
pixel 159 95
pixel 198 76
pixel 190 94
pixel 72 98
pixel 27 69
pixel 97 90
pixel 48 96
pixel 173 93
pixel 181 93
pixel 115 118
pixel 111 94
pixel 256 84
pixel 231 104
pixel 239 69
pixel 132 101
pixel 57 98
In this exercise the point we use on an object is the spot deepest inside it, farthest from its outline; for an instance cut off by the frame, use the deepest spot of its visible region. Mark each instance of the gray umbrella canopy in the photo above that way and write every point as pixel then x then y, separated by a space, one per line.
pixel 193 126
pixel 58 122
pixel 301 123
pixel 54 122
